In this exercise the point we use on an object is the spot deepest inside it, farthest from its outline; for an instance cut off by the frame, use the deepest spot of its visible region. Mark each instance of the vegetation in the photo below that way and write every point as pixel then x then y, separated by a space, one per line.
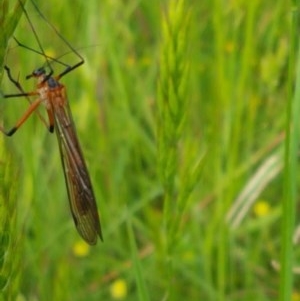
pixel 187 113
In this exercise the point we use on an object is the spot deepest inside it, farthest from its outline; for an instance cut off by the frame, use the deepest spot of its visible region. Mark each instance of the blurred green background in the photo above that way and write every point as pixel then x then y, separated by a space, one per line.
pixel 181 109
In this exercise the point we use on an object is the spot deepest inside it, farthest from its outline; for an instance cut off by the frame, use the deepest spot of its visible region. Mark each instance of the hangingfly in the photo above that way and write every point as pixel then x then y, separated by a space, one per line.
pixel 52 94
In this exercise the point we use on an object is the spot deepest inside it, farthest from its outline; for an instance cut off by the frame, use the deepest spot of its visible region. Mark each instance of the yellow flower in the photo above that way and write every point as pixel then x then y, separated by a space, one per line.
pixel 229 47
pixel 81 248
pixel 295 296
pixel 130 61
pixel 20 297
pixel 261 208
pixel 118 289
pixel 50 52
pixel 189 256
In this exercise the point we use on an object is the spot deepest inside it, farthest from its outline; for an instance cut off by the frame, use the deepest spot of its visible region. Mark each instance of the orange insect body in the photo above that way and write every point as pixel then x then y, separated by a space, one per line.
pixel 82 201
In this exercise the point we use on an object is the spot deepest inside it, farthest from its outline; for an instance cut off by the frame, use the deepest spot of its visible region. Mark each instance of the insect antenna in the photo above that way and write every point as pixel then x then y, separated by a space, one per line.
pixel 68 68
pixel 53 59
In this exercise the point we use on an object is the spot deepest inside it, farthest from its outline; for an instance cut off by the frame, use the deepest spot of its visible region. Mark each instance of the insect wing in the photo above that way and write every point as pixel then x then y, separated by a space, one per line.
pixel 81 196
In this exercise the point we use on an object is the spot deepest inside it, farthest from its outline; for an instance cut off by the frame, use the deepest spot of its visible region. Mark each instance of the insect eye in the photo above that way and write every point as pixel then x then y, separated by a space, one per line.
pixel 39 72
pixel 36 73
pixel 52 83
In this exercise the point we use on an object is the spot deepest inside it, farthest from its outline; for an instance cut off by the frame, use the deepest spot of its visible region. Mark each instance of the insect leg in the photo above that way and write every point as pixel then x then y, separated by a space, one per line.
pixel 28 112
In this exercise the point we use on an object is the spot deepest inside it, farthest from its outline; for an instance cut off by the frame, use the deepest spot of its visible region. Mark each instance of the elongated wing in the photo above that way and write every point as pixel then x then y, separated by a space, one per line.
pixel 81 196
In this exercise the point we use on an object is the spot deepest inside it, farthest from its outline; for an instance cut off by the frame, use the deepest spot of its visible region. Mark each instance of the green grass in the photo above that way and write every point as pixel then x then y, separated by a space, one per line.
pixel 181 109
